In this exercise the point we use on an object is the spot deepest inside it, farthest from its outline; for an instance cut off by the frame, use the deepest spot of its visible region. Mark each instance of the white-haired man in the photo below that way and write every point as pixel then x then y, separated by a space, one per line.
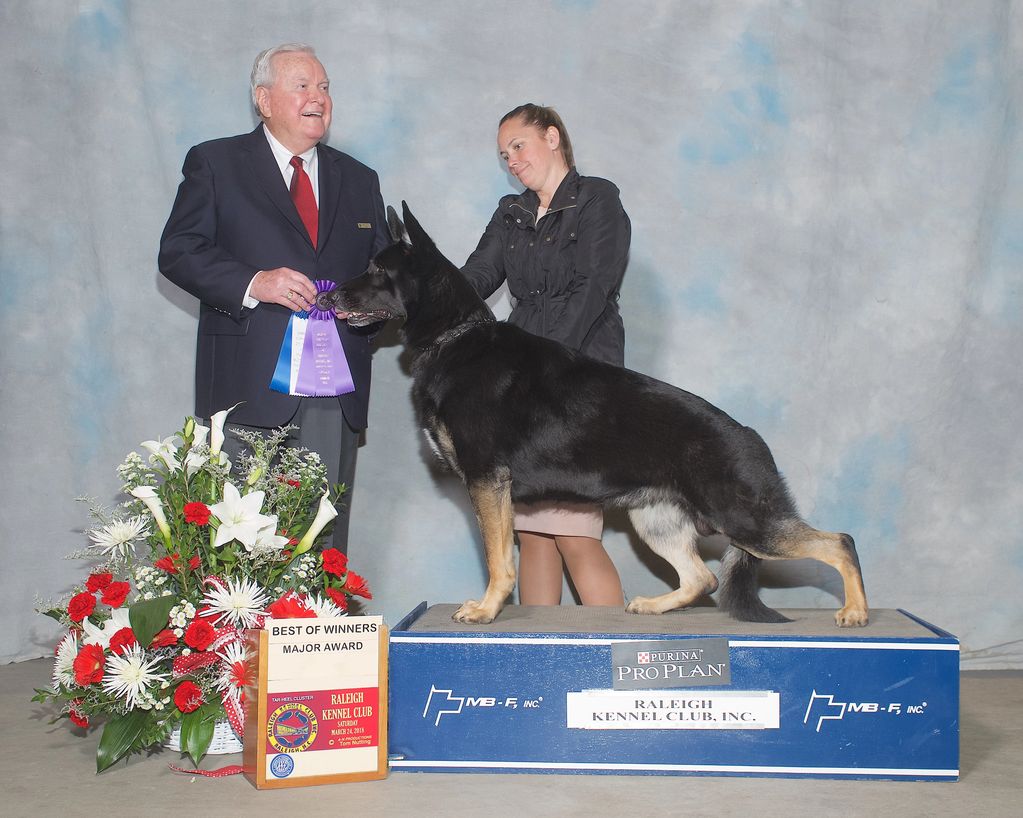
pixel 249 247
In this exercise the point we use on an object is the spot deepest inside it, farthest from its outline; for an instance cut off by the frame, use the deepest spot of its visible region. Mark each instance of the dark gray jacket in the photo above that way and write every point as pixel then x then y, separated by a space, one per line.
pixel 564 275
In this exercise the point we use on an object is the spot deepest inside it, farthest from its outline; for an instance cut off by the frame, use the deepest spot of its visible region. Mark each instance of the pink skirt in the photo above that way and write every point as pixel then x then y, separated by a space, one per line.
pixel 560 519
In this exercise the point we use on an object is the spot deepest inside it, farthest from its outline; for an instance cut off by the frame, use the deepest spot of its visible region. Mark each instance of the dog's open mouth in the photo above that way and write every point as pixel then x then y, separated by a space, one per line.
pixel 361 319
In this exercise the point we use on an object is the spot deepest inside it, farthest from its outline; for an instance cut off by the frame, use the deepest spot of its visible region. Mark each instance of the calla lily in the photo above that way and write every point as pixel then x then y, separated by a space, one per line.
pixel 148 495
pixel 217 429
pixel 325 512
pixel 239 517
pixel 164 450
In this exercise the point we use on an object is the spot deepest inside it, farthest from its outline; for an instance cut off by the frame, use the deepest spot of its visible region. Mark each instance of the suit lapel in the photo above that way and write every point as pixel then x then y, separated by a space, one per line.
pixel 267 175
pixel 330 192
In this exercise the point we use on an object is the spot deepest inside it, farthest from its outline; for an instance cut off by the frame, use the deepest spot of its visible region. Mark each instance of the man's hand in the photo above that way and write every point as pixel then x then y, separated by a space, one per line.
pixel 284 286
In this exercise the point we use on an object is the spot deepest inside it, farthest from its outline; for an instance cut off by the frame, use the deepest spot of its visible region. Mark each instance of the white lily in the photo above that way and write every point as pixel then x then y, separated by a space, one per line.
pixel 267 539
pixel 325 512
pixel 199 432
pixel 164 450
pixel 148 495
pixel 101 635
pixel 194 461
pixel 239 517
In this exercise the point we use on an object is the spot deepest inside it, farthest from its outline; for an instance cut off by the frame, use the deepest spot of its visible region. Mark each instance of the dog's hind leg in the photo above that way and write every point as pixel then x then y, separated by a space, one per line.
pixel 794 539
pixel 739 596
pixel 671 534
pixel 491 499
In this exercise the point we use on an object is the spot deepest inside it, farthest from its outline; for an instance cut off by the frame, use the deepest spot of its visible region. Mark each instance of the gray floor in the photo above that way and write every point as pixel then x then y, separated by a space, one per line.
pixel 47 771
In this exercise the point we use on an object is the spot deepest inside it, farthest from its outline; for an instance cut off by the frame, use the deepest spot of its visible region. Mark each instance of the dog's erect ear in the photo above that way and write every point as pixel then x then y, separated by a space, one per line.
pixel 395 226
pixel 419 238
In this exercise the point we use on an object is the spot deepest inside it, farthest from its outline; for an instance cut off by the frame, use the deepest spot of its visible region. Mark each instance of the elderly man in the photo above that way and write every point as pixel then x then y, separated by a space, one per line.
pixel 257 220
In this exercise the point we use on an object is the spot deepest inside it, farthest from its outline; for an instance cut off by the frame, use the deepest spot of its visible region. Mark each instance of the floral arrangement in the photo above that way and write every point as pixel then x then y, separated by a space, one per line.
pixel 201 550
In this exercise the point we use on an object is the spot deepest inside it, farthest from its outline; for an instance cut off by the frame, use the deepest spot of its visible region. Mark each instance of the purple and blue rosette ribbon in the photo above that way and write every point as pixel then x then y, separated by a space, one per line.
pixel 312 362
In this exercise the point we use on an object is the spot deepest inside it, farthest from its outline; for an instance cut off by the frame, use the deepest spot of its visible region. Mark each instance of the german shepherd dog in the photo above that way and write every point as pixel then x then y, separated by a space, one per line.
pixel 521 419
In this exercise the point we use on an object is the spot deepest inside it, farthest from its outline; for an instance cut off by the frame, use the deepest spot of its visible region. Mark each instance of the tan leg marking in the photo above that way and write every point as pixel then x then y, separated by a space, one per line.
pixel 492 502
pixel 838 551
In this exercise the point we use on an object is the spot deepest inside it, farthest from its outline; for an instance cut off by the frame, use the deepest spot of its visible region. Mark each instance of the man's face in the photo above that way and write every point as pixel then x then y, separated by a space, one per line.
pixel 297 107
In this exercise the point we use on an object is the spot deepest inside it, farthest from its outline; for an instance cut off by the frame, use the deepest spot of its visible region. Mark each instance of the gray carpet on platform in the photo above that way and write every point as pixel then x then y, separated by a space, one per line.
pixel 48 771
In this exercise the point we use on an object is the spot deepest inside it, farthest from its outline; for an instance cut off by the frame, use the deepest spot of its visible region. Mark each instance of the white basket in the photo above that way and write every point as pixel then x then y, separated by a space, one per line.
pixel 225 740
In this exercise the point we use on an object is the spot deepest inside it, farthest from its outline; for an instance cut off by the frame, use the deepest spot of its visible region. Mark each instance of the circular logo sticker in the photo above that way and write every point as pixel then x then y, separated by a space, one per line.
pixel 291 728
pixel 282 765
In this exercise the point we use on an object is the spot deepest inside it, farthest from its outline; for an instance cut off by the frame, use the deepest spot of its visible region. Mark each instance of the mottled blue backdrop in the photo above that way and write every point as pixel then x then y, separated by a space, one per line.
pixel 827 206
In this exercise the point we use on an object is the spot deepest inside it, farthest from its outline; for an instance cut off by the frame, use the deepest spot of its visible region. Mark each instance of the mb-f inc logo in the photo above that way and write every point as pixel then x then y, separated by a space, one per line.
pixel 442 702
pixel 822 707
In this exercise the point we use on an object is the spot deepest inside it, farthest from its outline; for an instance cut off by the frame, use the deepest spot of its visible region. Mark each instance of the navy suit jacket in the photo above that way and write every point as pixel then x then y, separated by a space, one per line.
pixel 232 217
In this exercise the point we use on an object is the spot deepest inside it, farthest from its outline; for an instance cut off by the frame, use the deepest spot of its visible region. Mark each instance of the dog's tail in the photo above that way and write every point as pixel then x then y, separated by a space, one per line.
pixel 738 595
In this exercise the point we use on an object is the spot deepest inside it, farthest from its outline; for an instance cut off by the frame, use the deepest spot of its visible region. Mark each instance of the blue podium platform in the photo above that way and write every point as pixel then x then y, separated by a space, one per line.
pixel 596 690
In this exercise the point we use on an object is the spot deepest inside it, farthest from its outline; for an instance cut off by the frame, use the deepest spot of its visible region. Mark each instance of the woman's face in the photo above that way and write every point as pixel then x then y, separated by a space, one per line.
pixel 532 155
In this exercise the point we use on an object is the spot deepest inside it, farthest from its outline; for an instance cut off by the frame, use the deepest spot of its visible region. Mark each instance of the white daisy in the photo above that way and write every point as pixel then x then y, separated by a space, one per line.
pixel 324 606
pixel 119 536
pixel 240 603
pixel 234 670
pixel 64 664
pixel 101 635
pixel 239 517
pixel 130 675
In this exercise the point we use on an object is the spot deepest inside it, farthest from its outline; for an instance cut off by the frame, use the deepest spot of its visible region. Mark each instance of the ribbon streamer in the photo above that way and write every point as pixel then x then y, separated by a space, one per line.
pixel 312 361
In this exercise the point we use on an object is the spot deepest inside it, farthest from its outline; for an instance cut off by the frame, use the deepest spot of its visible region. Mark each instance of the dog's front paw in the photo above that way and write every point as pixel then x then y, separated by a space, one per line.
pixel 851 617
pixel 473 612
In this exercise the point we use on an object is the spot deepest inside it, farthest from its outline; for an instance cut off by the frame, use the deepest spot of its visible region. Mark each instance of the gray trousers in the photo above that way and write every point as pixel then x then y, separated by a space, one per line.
pixel 322 428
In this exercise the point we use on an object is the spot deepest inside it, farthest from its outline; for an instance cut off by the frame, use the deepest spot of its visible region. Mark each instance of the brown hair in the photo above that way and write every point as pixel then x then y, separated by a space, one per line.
pixel 542 117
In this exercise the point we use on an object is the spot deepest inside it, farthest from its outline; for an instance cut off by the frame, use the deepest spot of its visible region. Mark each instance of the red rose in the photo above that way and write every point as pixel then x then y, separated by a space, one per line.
pixel 188 697
pixel 334 562
pixel 115 594
pixel 88 665
pixel 356 586
pixel 295 484
pixel 163 639
pixel 338 598
pixel 290 606
pixel 98 582
pixel 198 513
pixel 80 606
pixel 199 634
pixel 78 718
pixel 122 640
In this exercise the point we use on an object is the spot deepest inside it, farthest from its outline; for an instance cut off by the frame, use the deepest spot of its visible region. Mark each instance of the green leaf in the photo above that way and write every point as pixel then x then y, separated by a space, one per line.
pixel 55 613
pixel 196 737
pixel 43 693
pixel 148 618
pixel 119 737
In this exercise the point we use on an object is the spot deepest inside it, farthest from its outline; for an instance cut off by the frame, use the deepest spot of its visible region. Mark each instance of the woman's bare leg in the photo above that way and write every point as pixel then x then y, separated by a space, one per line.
pixel 540 569
pixel 593 573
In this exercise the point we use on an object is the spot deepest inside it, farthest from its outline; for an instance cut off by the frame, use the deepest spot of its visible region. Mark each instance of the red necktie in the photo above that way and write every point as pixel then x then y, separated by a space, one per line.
pixel 302 196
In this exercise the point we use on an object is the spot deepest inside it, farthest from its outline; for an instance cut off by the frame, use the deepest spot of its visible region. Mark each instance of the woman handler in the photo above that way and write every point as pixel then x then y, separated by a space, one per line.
pixel 562 245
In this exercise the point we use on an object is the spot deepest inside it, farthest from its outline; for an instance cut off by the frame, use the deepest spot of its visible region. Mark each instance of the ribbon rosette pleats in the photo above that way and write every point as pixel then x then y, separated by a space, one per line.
pixel 312 362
